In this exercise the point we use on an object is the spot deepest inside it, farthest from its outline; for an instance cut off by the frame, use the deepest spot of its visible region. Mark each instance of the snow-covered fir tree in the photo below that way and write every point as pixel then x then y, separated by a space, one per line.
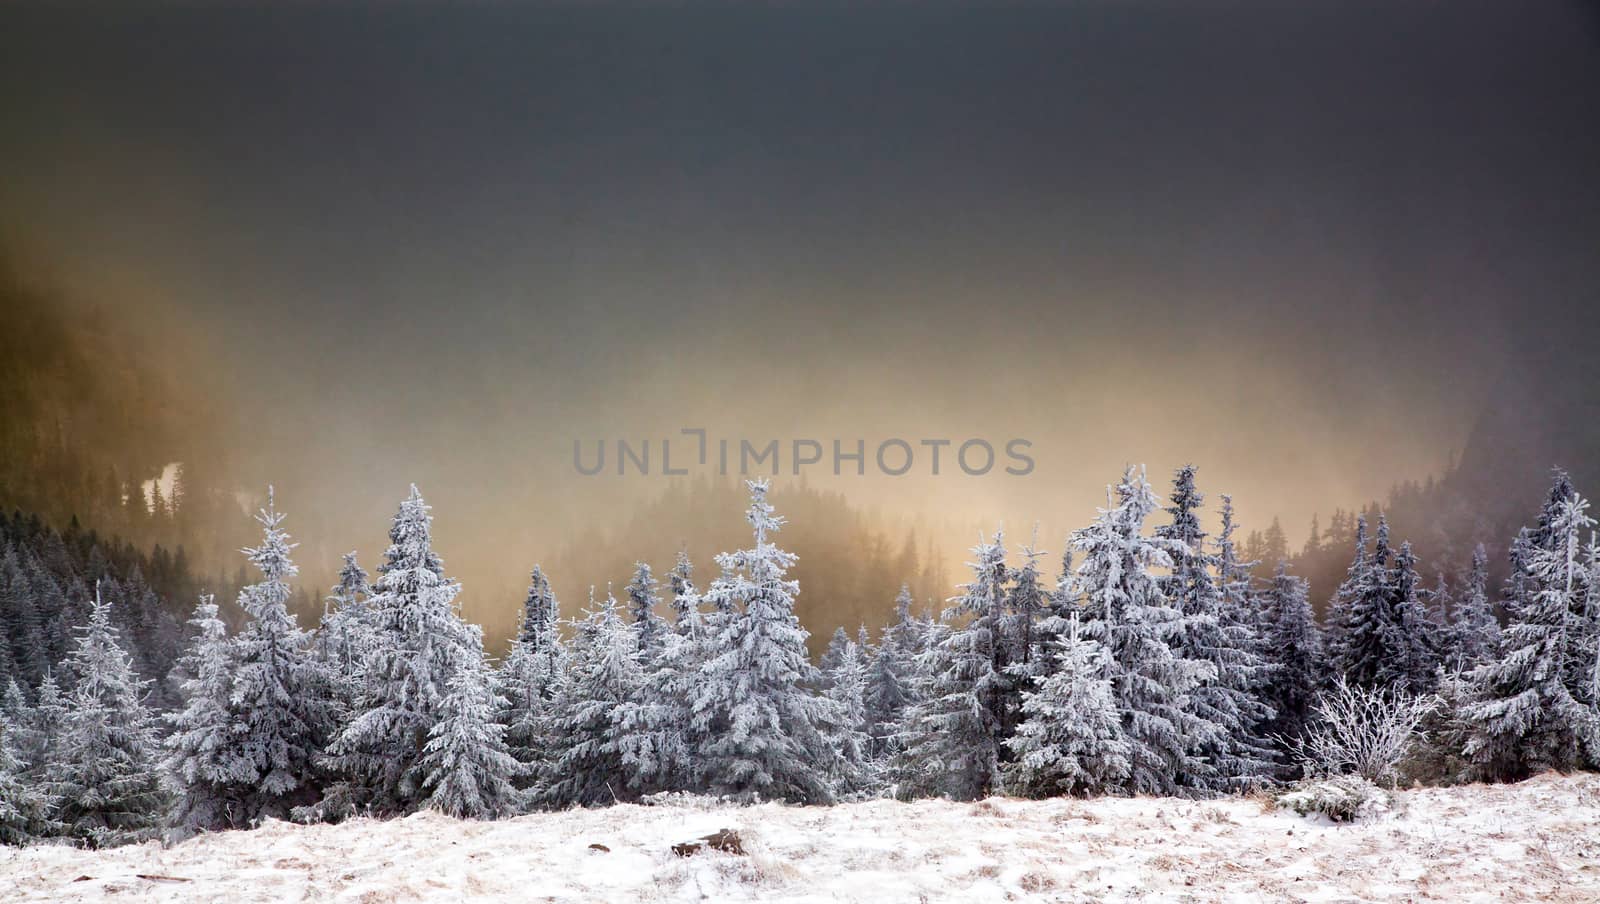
pixel 1071 739
pixel 593 714
pixel 833 653
pixel 1235 757
pixel 530 679
pixel 14 708
pixel 203 769
pixel 1126 613
pixel 43 741
pixel 468 771
pixel 1474 631
pixel 760 727
pixel 1378 622
pixel 1025 661
pixel 643 601
pixel 1534 705
pixel 952 736
pixel 418 642
pixel 103 783
pixel 346 632
pixel 1293 645
pixel 23 806
pixel 888 692
pixel 1419 642
pixel 280 694
pixel 847 684
pixel 658 728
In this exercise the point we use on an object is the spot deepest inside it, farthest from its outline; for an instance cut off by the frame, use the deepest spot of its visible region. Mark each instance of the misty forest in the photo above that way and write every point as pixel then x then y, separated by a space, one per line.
pixel 1148 656
pixel 895 453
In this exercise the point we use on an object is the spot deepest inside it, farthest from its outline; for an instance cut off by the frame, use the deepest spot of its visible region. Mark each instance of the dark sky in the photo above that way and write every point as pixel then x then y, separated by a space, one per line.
pixel 1301 244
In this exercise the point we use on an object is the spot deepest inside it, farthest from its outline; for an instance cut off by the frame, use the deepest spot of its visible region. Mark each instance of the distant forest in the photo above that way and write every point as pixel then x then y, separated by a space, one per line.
pixel 93 408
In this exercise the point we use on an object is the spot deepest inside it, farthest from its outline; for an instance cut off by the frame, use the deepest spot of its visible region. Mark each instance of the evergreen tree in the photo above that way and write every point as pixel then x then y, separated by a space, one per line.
pixel 888 692
pixel 1126 613
pixel 1235 757
pixel 347 630
pixel 203 768
pixel 833 653
pixel 686 618
pixel 1071 739
pixel 23 807
pixel 760 729
pixel 593 712
pixel 1534 704
pixel 541 612
pixel 1347 600
pixel 643 600
pixel 1027 604
pixel 530 680
pixel 857 768
pixel 279 700
pixel 419 641
pixel 1294 647
pixel 1379 626
pixel 953 733
pixel 1474 632
pixel 103 783
pixel 1416 642
pixel 49 715
pixel 467 768
pixel 14 706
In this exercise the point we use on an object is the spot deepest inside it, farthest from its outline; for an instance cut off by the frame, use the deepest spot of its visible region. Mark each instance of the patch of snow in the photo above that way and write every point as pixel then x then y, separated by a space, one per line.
pixel 1533 841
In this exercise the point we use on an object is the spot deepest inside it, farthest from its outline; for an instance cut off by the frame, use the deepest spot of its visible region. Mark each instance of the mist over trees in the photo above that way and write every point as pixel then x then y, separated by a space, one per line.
pixel 1152 662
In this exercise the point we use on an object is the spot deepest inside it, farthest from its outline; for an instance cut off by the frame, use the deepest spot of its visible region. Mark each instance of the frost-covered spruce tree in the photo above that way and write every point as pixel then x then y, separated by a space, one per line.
pixel 418 642
pixel 346 631
pixel 760 728
pixel 656 730
pixel 593 713
pixel 643 600
pixel 833 653
pixel 1534 705
pixel 888 691
pixel 49 714
pixel 1380 636
pixel 21 622
pixel 1027 605
pixel 530 679
pixel 104 785
pixel 660 726
pixel 1235 756
pixel 1419 641
pixel 280 693
pixel 1357 594
pixel 1474 631
pixel 23 807
pixel 15 709
pixel 1294 647
pixel 952 738
pixel 858 769
pixel 203 768
pixel 1237 591
pixel 1071 739
pixel 467 769
pixel 686 617
pixel 1126 613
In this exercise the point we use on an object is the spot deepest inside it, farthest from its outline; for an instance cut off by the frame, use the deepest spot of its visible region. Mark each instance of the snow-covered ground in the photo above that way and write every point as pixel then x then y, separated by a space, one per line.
pixel 1536 841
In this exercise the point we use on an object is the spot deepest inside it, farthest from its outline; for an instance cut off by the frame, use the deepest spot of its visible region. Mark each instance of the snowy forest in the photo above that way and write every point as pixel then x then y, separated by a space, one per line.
pixel 1147 657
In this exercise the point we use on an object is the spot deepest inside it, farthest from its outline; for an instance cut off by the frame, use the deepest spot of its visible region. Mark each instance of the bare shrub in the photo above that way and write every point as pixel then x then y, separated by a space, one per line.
pixel 1360 731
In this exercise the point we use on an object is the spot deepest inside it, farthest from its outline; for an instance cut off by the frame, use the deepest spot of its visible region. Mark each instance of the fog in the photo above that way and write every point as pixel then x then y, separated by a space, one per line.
pixel 1305 250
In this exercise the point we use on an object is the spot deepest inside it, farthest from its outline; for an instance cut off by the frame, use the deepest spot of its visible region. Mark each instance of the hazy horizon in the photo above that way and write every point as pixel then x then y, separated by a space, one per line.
pixel 1304 249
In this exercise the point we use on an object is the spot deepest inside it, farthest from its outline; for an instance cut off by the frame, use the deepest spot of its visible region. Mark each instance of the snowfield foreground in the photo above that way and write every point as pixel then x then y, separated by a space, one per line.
pixel 1535 841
